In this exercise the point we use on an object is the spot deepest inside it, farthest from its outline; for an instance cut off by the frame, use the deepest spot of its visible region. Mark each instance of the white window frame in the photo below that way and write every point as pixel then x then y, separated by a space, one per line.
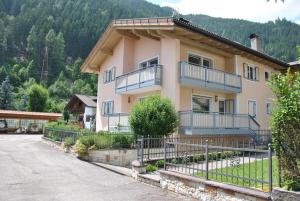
pixel 267 111
pixel 148 60
pixel 202 58
pixel 251 100
pixel 246 72
pixel 109 75
pixel 269 72
pixel 105 111
pixel 203 96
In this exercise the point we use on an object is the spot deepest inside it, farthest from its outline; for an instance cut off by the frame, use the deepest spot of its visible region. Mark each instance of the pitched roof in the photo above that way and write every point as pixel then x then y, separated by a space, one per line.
pixel 90 101
pixel 294 63
pixel 153 28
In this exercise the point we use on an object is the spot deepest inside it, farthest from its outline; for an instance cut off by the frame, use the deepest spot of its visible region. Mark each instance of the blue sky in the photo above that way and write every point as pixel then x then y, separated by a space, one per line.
pixel 253 10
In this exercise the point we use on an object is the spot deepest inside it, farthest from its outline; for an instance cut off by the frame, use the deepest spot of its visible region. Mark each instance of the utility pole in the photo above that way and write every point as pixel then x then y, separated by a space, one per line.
pixel 44 72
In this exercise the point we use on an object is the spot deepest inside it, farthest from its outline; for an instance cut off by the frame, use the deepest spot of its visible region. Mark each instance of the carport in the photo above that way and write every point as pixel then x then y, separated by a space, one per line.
pixel 20 119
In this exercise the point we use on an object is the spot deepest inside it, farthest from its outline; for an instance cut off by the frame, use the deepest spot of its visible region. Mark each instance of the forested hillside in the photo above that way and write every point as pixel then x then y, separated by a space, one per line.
pixel 45 42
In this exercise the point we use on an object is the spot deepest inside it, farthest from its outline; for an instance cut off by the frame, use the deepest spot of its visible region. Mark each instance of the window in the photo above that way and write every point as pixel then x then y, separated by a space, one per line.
pixel 252 108
pixel 149 63
pixel 201 104
pixel 222 106
pixel 226 106
pixel 269 108
pixel 109 75
pixel 251 72
pixel 267 75
pixel 107 107
pixel 200 61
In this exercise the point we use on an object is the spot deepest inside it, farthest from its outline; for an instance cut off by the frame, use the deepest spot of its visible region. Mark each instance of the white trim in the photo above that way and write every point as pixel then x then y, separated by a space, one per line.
pixel 268 102
pixel 148 59
pixel 197 54
pixel 252 100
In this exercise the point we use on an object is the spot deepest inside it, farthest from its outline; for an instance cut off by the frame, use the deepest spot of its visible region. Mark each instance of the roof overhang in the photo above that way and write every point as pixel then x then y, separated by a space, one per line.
pixel 157 28
pixel 29 115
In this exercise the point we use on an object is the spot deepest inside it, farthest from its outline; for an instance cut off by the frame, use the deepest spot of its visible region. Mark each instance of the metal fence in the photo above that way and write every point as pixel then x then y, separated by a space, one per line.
pixel 246 167
pixel 151 148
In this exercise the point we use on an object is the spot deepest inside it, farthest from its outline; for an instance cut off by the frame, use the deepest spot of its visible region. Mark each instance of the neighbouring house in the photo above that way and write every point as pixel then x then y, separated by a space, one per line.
pixel 84 108
pixel 218 86
pixel 295 66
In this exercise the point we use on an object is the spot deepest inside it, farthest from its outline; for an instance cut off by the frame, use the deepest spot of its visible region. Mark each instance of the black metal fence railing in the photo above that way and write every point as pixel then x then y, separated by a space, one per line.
pixel 246 167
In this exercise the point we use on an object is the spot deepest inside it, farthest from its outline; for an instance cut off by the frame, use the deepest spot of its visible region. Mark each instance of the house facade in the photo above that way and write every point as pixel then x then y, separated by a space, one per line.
pixel 218 86
pixel 84 108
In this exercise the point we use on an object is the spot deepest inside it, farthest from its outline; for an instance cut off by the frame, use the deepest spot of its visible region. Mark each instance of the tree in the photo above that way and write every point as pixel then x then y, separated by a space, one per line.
pixel 37 97
pixel 60 88
pixel 6 96
pixel 80 87
pixel 153 116
pixel 285 123
pixel 298 52
pixel 55 45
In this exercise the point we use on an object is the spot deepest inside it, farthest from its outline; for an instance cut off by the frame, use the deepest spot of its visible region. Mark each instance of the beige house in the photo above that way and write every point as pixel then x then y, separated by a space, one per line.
pixel 218 86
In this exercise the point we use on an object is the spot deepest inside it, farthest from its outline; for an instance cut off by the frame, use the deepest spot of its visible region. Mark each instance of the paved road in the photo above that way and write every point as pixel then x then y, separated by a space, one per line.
pixel 33 171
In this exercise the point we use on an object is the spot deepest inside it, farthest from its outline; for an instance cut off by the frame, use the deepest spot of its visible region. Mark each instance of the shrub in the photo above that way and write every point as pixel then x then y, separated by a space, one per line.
pixel 150 168
pixel 122 141
pixel 160 163
pixel 153 116
pixel 69 141
pixel 174 161
pixel 285 127
pixel 80 148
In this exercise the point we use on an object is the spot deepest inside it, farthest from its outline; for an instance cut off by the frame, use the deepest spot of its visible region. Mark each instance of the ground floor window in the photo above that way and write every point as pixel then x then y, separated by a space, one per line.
pixel 201 103
pixel 252 108
pixel 107 107
pixel 269 108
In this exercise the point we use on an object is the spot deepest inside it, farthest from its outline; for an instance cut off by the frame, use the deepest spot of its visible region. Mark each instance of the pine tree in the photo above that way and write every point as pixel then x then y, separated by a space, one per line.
pixel 6 96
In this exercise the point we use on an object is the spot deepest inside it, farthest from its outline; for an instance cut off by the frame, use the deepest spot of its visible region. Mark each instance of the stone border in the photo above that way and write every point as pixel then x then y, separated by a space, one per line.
pixel 199 188
pixel 279 194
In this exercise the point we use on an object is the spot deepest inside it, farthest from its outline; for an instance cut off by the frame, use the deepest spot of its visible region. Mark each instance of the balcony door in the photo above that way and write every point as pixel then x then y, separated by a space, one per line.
pixel 199 61
pixel 226 106
pixel 201 103
pixel 149 63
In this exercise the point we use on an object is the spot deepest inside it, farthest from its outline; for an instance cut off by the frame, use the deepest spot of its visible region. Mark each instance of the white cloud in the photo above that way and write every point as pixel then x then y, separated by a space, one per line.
pixel 254 10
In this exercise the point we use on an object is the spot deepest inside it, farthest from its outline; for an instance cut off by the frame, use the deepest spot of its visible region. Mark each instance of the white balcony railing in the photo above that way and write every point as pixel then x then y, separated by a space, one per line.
pixel 118 122
pixel 144 77
pixel 209 78
pixel 213 120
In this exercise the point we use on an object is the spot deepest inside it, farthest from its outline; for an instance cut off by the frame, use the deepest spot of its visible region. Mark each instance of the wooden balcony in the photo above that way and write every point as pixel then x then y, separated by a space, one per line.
pixel 201 77
pixel 141 80
pixel 212 123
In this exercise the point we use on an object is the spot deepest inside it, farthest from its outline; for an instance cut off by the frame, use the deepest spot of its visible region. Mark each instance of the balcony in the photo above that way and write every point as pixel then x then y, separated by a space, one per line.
pixel 212 123
pixel 197 76
pixel 142 80
pixel 118 122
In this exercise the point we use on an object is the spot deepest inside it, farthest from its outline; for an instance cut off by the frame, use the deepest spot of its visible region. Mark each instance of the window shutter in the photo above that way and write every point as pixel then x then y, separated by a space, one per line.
pixel 113 73
pixel 104 77
pixel 103 108
pixel 112 107
pixel 256 73
pixel 245 71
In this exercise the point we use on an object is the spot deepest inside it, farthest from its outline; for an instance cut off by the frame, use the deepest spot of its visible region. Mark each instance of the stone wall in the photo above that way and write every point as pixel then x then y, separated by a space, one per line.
pixel 119 157
pixel 279 194
pixel 207 190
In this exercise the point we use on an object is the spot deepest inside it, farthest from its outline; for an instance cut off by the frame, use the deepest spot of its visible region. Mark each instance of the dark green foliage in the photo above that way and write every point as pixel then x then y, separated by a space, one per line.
pixel 285 124
pixel 154 116
pixel 38 97
pixel 6 97
pixel 123 141
pixel 150 168
pixel 69 141
pixel 160 163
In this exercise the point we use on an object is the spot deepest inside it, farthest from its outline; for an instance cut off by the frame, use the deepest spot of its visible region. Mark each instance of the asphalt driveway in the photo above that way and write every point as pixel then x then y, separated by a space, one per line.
pixel 32 170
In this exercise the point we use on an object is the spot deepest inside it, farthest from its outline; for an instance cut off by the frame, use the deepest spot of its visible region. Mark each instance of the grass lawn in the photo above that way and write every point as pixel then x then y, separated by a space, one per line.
pixel 252 171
